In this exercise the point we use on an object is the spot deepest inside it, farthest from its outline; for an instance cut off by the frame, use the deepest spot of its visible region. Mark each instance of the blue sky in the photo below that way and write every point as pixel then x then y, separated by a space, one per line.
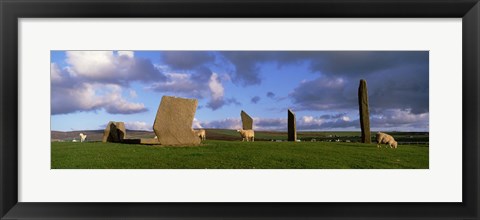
pixel 90 88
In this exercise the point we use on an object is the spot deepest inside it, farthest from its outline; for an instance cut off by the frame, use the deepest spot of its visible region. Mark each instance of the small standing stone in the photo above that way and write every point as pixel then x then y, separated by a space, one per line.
pixel 364 113
pixel 114 132
pixel 247 121
pixel 292 128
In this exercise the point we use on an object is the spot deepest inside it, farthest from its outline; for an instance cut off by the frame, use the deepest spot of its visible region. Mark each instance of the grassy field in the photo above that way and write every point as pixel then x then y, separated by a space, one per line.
pixel 217 154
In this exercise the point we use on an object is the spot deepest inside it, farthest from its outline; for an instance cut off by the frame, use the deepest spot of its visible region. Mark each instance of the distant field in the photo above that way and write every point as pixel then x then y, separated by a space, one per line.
pixel 218 154
pixel 232 135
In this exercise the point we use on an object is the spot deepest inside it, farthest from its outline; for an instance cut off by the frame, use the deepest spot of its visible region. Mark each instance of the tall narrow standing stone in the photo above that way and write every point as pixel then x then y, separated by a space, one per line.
pixel 292 128
pixel 364 113
pixel 247 121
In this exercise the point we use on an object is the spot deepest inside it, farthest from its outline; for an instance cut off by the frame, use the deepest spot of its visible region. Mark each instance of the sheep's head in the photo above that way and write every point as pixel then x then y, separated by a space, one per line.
pixel 395 144
pixel 239 131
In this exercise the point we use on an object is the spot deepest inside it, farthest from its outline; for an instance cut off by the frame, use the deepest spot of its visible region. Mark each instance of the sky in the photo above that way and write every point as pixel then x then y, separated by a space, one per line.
pixel 91 88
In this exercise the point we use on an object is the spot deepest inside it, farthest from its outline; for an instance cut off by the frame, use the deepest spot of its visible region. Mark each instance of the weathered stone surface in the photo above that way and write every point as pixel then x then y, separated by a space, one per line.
pixel 114 132
pixel 364 113
pixel 173 123
pixel 292 128
pixel 247 121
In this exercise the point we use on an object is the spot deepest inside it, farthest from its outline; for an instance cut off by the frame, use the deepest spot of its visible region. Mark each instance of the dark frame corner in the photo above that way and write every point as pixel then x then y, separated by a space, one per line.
pixel 12 10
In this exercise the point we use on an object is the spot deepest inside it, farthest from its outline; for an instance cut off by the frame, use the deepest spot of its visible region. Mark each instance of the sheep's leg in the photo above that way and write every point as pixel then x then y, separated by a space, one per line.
pixel 253 139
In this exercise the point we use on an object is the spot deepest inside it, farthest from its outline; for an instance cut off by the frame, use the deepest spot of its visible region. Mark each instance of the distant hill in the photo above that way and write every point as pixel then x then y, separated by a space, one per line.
pixel 96 135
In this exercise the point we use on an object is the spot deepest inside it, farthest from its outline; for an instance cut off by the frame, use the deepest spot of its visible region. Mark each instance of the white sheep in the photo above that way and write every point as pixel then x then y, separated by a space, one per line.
pixel 201 134
pixel 249 135
pixel 83 137
pixel 383 138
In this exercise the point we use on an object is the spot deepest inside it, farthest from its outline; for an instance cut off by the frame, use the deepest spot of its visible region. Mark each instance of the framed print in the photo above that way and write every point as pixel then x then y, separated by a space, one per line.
pixel 226 109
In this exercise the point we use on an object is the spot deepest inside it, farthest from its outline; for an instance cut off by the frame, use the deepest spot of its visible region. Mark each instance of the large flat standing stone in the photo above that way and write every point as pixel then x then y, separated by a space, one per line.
pixel 114 132
pixel 292 128
pixel 247 121
pixel 364 113
pixel 173 123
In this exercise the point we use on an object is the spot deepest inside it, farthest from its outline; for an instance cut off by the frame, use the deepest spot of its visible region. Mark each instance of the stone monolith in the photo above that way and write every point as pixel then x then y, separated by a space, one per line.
pixel 364 113
pixel 247 121
pixel 292 128
pixel 114 132
pixel 173 123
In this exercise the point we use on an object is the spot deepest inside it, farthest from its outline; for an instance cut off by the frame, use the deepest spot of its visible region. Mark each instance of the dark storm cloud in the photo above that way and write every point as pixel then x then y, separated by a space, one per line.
pixel 194 84
pixel 361 63
pixel 399 87
pixel 396 79
pixel 143 70
pixel 323 94
pixel 270 123
pixel 185 60
pixel 215 104
pixel 270 95
pixel 255 99
pixel 246 65
pixel 347 64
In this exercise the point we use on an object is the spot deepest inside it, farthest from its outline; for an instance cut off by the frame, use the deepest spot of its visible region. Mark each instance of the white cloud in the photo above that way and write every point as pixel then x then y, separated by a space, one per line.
pixel 133 93
pixel 308 119
pixel 120 67
pixel 92 97
pixel 55 74
pixel 91 64
pixel 400 119
pixel 94 80
pixel 228 123
pixel 181 83
pixel 216 87
pixel 126 53
pixel 138 125
pixel 200 84
pixel 196 123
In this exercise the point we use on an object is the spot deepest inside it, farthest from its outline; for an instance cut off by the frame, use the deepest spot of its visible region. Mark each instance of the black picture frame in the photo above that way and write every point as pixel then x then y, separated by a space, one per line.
pixel 12 10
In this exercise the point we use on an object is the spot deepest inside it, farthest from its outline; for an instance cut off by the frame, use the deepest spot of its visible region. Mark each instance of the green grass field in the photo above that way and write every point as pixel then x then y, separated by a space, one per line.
pixel 216 154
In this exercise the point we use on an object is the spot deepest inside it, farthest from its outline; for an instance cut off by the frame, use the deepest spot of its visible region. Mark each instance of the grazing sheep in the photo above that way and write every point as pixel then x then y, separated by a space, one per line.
pixel 83 137
pixel 249 135
pixel 201 134
pixel 74 140
pixel 383 138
